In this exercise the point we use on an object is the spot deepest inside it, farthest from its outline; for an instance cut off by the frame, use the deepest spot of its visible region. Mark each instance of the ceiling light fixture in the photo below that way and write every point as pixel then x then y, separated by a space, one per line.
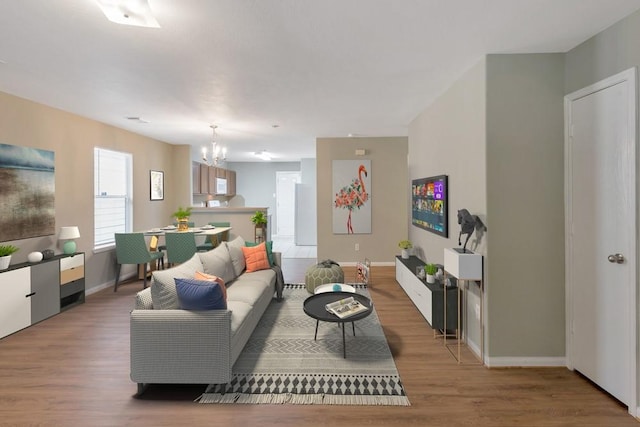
pixel 217 151
pixel 129 12
pixel 263 155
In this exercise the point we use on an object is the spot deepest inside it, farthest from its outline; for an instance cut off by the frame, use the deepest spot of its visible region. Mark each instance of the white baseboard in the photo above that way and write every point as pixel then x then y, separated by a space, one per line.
pixel 108 284
pixel 529 362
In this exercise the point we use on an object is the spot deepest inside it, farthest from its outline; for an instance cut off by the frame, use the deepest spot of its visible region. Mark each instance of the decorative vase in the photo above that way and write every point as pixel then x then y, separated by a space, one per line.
pixel 34 257
pixel 405 253
pixel 4 262
pixel 431 278
pixel 183 224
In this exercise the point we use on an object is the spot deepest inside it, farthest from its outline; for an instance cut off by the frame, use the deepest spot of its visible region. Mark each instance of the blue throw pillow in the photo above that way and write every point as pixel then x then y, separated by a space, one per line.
pixel 269 245
pixel 199 295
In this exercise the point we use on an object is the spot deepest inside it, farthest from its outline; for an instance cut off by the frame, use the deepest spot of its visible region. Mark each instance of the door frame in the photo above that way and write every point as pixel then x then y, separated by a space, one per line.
pixel 629 76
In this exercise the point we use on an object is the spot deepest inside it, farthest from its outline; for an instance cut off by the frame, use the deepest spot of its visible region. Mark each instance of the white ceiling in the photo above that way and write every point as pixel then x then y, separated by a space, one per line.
pixel 316 68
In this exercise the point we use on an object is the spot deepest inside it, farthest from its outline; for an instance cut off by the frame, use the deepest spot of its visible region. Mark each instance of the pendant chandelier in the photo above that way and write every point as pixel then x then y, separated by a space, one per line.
pixel 218 152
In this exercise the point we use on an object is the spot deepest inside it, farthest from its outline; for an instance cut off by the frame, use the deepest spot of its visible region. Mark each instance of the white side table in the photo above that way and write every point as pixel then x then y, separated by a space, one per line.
pixel 465 266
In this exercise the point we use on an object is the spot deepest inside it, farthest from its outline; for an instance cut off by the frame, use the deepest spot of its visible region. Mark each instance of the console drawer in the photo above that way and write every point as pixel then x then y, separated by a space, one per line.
pixel 71 269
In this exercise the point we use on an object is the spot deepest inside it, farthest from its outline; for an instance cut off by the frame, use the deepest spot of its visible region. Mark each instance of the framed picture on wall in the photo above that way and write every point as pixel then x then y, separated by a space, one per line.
pixel 157 185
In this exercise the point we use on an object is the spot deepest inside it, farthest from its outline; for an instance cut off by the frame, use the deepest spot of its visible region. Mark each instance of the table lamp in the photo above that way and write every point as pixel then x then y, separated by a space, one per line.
pixel 68 234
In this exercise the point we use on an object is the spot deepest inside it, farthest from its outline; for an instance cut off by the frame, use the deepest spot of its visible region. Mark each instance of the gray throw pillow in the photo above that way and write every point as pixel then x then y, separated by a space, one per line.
pixel 218 262
pixel 236 254
pixel 163 286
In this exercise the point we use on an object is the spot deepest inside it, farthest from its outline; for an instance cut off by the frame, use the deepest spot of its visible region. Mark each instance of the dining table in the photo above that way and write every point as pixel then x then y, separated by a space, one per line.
pixel 206 231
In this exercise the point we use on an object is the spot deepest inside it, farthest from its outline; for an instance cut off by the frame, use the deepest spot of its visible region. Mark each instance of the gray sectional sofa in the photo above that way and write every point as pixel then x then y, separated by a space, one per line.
pixel 171 345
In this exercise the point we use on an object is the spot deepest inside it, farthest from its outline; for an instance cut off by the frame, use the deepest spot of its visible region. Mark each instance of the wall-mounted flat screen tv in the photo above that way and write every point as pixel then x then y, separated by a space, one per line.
pixel 429 204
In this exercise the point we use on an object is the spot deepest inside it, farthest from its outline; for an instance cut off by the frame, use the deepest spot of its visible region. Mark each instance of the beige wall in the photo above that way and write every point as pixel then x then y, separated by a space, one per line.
pixel 389 195
pixel 73 139
pixel 498 133
pixel 448 138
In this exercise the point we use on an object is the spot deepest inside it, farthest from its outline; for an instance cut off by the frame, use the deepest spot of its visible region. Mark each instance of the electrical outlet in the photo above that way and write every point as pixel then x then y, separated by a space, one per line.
pixel 478 311
pixel 357 246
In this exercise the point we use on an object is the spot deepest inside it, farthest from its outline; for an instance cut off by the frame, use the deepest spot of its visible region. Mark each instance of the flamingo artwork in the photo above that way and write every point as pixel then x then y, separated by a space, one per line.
pixel 353 196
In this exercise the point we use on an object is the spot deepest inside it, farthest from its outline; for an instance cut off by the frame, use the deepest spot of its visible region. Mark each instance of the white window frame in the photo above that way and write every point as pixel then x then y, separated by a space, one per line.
pixel 121 204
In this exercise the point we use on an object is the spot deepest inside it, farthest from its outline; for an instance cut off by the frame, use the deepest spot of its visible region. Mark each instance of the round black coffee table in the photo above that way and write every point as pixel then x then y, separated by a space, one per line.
pixel 314 307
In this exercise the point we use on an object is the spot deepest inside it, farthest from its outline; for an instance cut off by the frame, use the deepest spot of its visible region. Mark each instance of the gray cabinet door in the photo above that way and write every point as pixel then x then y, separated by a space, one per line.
pixel 45 286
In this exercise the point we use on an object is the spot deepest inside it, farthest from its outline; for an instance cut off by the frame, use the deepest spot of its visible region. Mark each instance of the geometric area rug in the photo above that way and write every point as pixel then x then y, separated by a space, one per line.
pixel 282 364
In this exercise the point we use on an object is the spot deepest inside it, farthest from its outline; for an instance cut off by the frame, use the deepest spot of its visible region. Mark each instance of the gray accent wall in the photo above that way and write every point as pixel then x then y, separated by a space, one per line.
pixel 525 206
pixel 613 50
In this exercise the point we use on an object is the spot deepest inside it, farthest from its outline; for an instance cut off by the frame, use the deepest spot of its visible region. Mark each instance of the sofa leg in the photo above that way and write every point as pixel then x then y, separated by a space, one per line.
pixel 142 387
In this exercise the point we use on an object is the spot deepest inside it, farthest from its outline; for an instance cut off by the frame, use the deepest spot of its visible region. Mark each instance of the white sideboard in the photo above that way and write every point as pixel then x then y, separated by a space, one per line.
pixel 31 292
pixel 427 297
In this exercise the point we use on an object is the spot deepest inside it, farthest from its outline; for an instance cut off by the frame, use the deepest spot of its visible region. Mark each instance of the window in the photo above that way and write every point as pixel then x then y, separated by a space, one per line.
pixel 113 208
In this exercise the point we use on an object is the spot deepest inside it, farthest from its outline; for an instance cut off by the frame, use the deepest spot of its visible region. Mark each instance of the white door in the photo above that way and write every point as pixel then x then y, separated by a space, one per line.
pixel 286 202
pixel 601 234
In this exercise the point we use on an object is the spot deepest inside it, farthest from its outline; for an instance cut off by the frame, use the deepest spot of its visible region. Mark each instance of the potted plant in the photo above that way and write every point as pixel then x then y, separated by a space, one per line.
pixel 259 220
pixel 431 270
pixel 182 217
pixel 5 255
pixel 405 245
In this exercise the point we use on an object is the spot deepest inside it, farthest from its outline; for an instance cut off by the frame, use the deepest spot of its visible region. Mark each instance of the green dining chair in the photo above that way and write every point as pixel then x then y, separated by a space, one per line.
pixel 131 248
pixel 222 237
pixel 181 246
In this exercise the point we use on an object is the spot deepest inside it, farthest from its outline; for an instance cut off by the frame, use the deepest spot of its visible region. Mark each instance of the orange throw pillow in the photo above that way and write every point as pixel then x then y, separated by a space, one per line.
pixel 211 278
pixel 256 257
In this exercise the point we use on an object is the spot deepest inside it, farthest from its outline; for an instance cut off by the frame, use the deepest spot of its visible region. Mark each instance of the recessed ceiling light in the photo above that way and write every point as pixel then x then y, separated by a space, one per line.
pixel 129 12
pixel 263 155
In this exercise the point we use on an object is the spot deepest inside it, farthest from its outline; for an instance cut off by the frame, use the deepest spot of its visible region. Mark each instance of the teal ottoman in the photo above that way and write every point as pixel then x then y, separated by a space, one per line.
pixel 321 273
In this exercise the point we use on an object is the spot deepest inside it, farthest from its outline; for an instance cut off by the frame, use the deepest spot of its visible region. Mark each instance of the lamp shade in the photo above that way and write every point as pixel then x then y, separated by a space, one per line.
pixel 67 233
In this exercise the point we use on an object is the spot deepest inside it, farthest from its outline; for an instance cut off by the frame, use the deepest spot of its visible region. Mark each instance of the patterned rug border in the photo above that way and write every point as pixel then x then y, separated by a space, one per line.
pixel 310 389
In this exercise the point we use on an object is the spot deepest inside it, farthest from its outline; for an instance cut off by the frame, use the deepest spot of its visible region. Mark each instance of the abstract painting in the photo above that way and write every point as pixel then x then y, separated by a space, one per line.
pixel 27 192
pixel 351 196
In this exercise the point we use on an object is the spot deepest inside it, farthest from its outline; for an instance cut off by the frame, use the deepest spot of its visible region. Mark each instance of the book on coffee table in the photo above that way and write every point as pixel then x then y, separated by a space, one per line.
pixel 346 307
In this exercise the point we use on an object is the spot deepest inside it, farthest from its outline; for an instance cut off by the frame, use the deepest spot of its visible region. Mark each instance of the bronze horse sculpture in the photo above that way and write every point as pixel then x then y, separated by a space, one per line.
pixel 467 226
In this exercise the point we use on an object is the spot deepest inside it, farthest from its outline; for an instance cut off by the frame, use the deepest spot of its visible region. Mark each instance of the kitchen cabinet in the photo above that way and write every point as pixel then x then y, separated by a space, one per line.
pixel 205 180
pixel 231 183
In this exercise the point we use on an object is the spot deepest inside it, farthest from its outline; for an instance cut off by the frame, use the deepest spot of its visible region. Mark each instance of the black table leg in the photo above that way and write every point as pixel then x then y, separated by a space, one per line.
pixel 316 334
pixel 344 343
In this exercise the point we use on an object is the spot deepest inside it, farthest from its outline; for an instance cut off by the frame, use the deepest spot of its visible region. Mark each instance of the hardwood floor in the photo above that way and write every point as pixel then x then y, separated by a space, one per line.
pixel 73 370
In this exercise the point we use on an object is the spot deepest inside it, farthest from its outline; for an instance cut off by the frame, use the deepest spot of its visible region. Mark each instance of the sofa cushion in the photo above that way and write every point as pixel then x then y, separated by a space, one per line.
pixel 218 262
pixel 237 257
pixel 200 295
pixel 163 286
pixel 269 245
pixel 256 257
pixel 212 278
pixel 248 291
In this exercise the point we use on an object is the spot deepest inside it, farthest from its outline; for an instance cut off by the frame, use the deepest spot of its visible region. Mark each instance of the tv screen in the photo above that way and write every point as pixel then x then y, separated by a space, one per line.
pixel 429 204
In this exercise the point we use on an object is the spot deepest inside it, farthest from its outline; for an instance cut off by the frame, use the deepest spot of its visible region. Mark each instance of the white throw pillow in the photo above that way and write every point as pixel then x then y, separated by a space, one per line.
pixel 236 254
pixel 218 262
pixel 163 287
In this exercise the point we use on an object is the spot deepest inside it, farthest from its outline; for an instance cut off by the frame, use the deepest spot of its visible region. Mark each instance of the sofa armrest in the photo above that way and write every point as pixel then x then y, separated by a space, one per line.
pixel 180 346
pixel 277 258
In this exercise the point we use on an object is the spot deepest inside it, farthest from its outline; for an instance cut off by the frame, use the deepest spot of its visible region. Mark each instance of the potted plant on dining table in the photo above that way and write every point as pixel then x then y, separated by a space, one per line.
pixel 182 218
